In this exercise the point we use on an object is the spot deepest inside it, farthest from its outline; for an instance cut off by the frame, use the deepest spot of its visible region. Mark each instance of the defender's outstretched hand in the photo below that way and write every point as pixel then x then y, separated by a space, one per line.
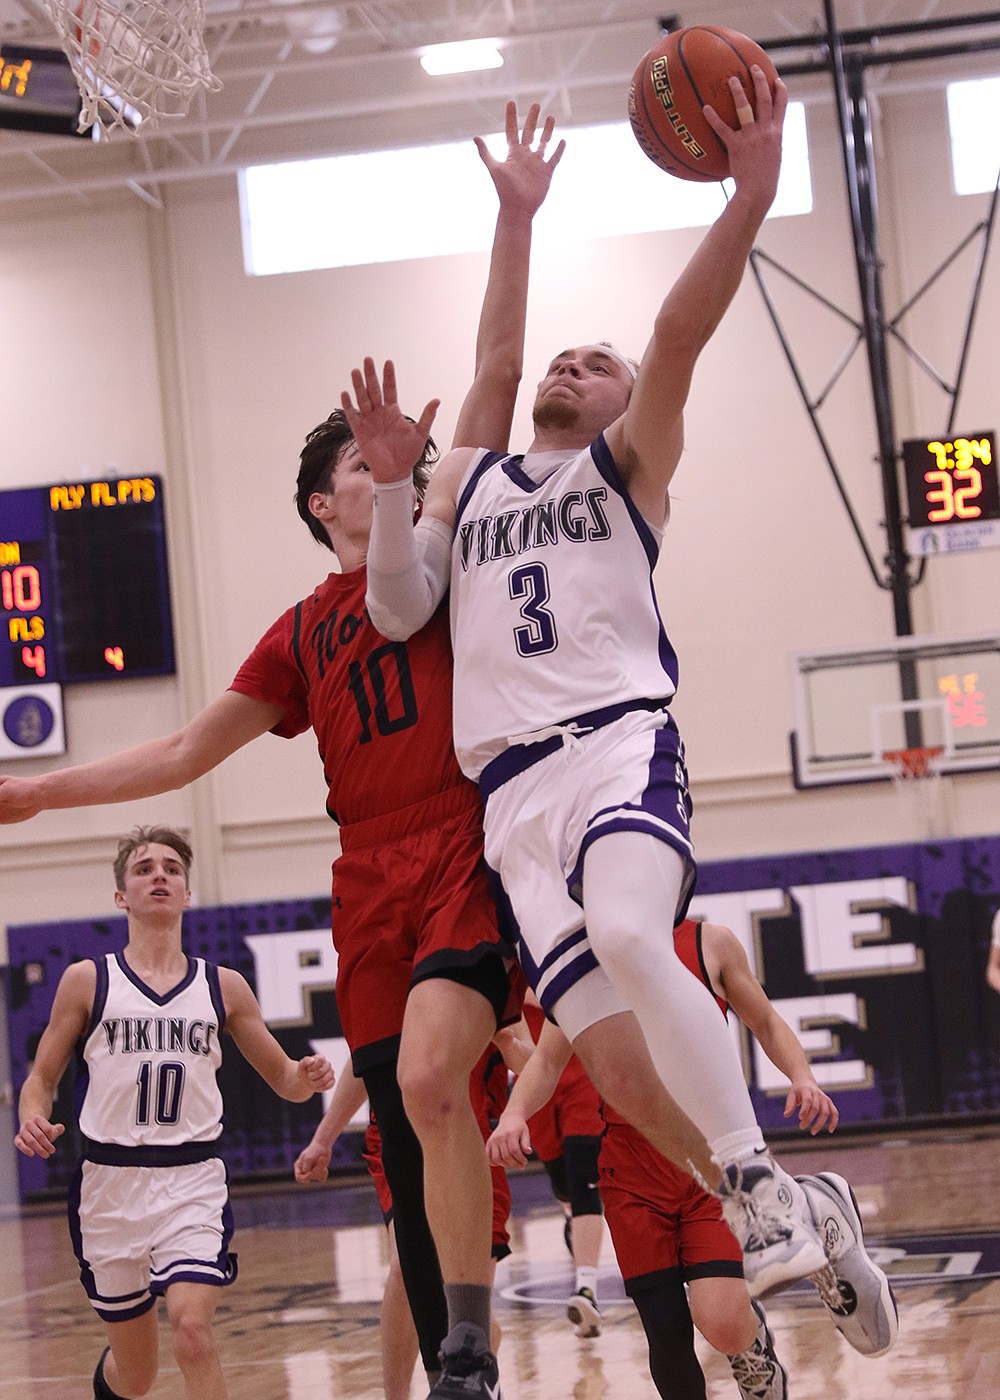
pixel 388 441
pixel 754 146
pixel 522 179
pixel 509 1145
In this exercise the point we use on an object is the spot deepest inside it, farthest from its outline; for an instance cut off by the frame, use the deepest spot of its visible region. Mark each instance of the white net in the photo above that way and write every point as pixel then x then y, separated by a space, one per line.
pixel 920 794
pixel 135 61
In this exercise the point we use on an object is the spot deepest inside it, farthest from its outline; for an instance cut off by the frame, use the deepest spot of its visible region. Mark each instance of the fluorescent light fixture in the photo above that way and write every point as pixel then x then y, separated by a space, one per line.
pixel 293 213
pixel 974 121
pixel 467 56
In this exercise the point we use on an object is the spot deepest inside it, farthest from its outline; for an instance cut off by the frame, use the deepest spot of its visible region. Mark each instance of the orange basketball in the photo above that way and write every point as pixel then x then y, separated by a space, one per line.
pixel 674 81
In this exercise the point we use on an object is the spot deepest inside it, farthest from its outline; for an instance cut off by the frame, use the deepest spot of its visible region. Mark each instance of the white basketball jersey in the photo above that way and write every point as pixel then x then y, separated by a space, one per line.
pixel 552 603
pixel 147 1075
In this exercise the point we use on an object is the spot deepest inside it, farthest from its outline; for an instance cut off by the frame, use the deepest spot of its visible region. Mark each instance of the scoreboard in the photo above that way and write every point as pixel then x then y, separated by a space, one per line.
pixel 84 590
pixel 38 91
pixel 952 492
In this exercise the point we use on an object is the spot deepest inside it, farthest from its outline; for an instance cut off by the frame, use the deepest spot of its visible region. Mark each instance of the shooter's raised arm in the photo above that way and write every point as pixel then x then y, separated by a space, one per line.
pixel 646 442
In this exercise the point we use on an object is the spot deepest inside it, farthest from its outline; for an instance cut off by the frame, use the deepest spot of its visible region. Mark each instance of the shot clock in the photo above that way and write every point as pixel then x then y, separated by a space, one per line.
pixel 84 592
pixel 952 493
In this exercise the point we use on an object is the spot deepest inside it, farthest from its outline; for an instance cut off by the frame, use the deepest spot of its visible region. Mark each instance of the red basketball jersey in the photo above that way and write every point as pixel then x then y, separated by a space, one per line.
pixel 381 710
pixel 687 942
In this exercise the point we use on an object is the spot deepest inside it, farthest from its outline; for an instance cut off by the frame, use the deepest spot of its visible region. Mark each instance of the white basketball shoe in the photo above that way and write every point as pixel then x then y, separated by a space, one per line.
pixel 856 1291
pixel 769 1214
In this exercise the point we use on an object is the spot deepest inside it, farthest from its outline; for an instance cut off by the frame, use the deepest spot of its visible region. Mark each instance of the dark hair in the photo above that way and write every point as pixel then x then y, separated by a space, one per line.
pixel 324 447
pixel 150 836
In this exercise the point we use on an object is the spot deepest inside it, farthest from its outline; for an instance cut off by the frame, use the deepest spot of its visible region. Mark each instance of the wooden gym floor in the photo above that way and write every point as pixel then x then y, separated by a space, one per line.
pixel 301 1322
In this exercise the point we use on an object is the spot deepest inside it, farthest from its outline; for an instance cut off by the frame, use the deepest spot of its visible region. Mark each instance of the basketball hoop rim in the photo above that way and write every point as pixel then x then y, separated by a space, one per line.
pixel 915 763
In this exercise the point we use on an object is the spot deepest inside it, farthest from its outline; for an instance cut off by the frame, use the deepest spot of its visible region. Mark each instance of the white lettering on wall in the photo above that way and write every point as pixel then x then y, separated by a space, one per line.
pixel 288 967
pixel 845 930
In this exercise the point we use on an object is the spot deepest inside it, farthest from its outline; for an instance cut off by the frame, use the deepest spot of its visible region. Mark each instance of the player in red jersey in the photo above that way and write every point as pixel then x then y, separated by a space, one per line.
pixel 566 1137
pixel 668 1231
pixel 413 921
pixel 397 1334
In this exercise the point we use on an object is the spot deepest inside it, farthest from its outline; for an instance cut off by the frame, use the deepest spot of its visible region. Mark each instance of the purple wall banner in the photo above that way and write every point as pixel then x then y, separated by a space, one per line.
pixel 875 957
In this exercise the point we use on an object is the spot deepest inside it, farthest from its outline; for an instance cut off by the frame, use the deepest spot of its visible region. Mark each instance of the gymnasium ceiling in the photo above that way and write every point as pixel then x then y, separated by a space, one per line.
pixel 309 78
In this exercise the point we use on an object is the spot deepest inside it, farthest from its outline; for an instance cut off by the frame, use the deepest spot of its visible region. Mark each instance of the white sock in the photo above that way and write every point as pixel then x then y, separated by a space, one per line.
pixel 586 1277
pixel 744 1147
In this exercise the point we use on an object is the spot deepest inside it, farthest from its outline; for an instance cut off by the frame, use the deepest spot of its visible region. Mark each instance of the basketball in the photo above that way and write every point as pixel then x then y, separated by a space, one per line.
pixel 674 81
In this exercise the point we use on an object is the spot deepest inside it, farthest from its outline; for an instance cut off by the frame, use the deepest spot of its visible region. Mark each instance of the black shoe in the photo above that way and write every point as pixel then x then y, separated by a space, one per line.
pixel 583 1312
pixel 468 1367
pixel 102 1391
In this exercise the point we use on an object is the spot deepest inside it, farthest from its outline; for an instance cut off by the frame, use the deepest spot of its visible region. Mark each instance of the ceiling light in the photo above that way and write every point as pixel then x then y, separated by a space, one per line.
pixel 467 56
pixel 317 30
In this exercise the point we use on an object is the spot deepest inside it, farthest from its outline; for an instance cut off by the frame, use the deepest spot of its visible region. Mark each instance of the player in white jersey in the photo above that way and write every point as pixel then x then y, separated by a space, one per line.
pixel 149 1204
pixel 563 674
pixel 993 961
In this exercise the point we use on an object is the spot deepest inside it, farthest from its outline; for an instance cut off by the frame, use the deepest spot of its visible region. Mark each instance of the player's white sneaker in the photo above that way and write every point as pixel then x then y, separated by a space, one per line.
pixel 583 1312
pixel 757 1371
pixel 770 1216
pixel 855 1290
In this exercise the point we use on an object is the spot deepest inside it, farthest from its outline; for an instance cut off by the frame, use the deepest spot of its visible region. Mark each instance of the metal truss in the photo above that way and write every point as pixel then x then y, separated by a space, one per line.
pixel 311 78
pixel 846 57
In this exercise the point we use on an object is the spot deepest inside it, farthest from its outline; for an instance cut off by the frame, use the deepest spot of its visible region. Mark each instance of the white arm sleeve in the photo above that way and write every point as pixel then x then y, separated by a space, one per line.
pixel 409 565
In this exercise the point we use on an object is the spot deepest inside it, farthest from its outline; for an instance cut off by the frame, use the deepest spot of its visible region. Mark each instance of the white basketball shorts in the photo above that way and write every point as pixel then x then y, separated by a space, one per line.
pixel 628 775
pixel 136 1230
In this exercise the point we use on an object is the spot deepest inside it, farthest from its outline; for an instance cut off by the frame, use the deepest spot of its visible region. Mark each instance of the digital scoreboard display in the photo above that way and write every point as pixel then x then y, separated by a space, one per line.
pixel 84 590
pixel 38 91
pixel 953 480
pixel 952 492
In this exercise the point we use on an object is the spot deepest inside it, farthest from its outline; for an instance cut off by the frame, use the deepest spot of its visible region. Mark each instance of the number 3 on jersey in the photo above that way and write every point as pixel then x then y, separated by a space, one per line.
pixel 531 582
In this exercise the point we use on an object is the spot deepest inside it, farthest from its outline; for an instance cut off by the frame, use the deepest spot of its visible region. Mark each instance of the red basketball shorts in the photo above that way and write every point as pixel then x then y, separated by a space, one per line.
pixel 501 1189
pixel 410 901
pixel 659 1217
pixel 574 1110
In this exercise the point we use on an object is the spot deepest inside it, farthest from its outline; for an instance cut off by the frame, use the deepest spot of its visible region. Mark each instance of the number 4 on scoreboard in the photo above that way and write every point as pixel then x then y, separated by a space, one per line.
pixel 34 659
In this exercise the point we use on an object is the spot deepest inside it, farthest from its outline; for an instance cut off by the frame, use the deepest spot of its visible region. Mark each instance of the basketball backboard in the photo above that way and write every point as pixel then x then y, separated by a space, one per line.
pixel 851 707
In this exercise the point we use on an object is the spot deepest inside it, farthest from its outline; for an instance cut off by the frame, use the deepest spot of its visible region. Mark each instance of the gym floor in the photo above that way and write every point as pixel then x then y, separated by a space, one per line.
pixel 301 1322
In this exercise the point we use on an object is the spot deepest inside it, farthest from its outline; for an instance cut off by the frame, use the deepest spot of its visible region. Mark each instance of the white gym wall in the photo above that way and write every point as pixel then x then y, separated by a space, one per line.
pixel 133 341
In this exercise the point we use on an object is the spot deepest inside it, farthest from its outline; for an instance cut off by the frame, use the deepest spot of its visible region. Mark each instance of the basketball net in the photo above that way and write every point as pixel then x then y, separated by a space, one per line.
pixel 145 55
pixel 916 776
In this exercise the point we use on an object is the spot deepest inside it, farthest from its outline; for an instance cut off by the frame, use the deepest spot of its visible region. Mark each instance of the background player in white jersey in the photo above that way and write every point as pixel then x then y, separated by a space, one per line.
pixel 149 1204
pixel 993 961
pixel 563 675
